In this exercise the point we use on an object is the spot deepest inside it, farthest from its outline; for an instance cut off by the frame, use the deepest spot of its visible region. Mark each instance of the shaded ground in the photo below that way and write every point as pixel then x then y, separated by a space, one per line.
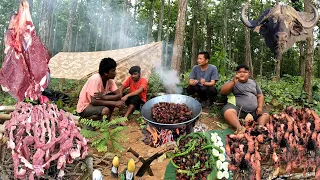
pixel 134 139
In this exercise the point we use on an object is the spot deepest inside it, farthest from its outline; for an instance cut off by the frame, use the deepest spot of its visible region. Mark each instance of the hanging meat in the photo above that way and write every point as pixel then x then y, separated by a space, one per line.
pixel 25 71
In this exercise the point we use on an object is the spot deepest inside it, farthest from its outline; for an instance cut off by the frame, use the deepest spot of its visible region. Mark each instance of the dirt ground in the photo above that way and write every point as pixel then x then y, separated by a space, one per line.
pixel 134 139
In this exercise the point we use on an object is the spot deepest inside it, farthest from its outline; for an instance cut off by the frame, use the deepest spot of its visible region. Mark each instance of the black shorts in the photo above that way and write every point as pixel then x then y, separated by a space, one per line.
pixel 243 114
pixel 136 101
pixel 91 111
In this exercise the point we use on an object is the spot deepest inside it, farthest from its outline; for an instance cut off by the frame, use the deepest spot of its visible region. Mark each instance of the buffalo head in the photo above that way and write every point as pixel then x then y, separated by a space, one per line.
pixel 282 26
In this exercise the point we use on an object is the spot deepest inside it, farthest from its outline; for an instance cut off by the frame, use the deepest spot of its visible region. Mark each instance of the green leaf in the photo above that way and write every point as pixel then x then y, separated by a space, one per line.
pixel 136 112
pixel 102 146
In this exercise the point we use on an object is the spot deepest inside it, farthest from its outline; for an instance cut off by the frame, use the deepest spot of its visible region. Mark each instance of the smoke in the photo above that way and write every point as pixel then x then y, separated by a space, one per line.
pixel 114 25
pixel 170 79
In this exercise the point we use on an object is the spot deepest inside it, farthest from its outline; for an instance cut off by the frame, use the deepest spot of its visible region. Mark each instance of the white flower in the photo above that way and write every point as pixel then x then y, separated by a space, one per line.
pixel 225 165
pixel 220 175
pixel 220 143
pixel 213 138
pixel 222 157
pixel 223 149
pixel 215 134
pixel 219 138
pixel 215 152
pixel 226 174
pixel 219 164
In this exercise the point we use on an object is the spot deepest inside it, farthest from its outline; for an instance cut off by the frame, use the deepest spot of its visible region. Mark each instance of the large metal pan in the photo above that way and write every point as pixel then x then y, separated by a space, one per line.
pixel 193 104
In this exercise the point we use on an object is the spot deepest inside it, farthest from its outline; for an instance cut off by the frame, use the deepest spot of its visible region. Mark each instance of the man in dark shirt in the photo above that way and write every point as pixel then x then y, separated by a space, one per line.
pixel 202 80
pixel 248 99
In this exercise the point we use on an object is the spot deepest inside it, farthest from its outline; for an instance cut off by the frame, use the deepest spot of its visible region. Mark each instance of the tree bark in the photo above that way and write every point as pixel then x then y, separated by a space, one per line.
pixel 67 45
pixel 168 34
pixel 179 37
pixel 160 21
pixel 302 60
pixel 309 57
pixel 319 61
pixel 247 50
pixel 122 25
pixel 209 34
pixel 97 35
pixel 194 34
pixel 44 26
pixel 149 36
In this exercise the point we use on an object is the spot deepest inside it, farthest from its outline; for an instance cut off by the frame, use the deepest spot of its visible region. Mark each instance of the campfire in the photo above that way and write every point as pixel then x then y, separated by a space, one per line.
pixel 156 137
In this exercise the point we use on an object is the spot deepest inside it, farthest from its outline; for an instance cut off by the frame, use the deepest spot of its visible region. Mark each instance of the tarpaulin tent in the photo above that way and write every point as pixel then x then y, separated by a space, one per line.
pixel 81 65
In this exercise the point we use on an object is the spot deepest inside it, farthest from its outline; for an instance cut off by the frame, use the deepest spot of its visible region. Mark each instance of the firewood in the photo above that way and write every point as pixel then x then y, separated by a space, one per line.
pixel 7 108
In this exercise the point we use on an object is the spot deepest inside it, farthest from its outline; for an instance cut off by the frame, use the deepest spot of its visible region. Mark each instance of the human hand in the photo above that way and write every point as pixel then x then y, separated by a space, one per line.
pixel 98 95
pixel 124 98
pixel 194 82
pixel 202 81
pixel 119 104
pixel 259 111
pixel 236 78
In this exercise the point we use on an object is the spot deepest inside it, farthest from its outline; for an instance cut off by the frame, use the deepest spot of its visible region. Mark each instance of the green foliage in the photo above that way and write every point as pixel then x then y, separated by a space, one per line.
pixel 220 60
pixel 289 91
pixel 155 84
pixel 6 99
pixel 108 136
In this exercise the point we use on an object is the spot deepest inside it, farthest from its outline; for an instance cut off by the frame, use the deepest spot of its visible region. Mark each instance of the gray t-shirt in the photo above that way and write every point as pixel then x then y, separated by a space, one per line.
pixel 211 73
pixel 246 95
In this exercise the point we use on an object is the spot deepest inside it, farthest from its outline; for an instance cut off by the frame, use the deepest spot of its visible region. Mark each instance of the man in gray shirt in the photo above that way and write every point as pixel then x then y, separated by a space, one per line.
pixel 248 99
pixel 202 80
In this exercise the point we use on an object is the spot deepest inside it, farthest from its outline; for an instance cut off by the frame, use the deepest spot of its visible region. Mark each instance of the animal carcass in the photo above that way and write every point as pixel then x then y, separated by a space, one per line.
pixel 25 71
pixel 282 26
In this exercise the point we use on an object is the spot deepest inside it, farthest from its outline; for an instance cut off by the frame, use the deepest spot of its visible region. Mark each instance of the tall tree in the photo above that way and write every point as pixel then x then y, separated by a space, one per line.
pixel 302 59
pixel 319 61
pixel 179 37
pixel 309 56
pixel 168 34
pixel 209 32
pixel 160 21
pixel 247 47
pixel 194 33
pixel 67 45
pixel 150 23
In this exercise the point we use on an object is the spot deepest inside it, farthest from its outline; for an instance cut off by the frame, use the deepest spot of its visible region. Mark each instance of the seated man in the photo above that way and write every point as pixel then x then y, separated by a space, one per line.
pixel 202 80
pixel 248 99
pixel 138 87
pixel 100 95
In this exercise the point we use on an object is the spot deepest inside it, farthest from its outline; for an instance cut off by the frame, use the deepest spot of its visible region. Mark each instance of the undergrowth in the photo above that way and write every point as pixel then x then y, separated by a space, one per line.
pixel 107 137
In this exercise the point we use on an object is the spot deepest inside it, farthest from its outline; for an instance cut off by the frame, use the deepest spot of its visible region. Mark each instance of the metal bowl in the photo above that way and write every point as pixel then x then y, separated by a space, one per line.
pixel 193 105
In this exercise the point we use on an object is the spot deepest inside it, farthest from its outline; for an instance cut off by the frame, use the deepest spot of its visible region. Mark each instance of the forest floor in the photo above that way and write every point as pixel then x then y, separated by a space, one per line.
pixel 134 137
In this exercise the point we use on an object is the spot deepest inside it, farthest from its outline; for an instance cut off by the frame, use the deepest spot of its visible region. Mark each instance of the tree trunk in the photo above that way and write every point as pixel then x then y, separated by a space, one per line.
pixel 278 67
pixel 44 26
pixel 97 35
pixel 160 21
pixel 209 34
pixel 247 50
pixel 194 34
pixel 67 45
pixel 149 36
pixel 179 37
pixel 54 34
pixel 302 60
pixel 122 26
pixel 319 61
pixel 168 34
pixel 309 57
pixel 104 33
